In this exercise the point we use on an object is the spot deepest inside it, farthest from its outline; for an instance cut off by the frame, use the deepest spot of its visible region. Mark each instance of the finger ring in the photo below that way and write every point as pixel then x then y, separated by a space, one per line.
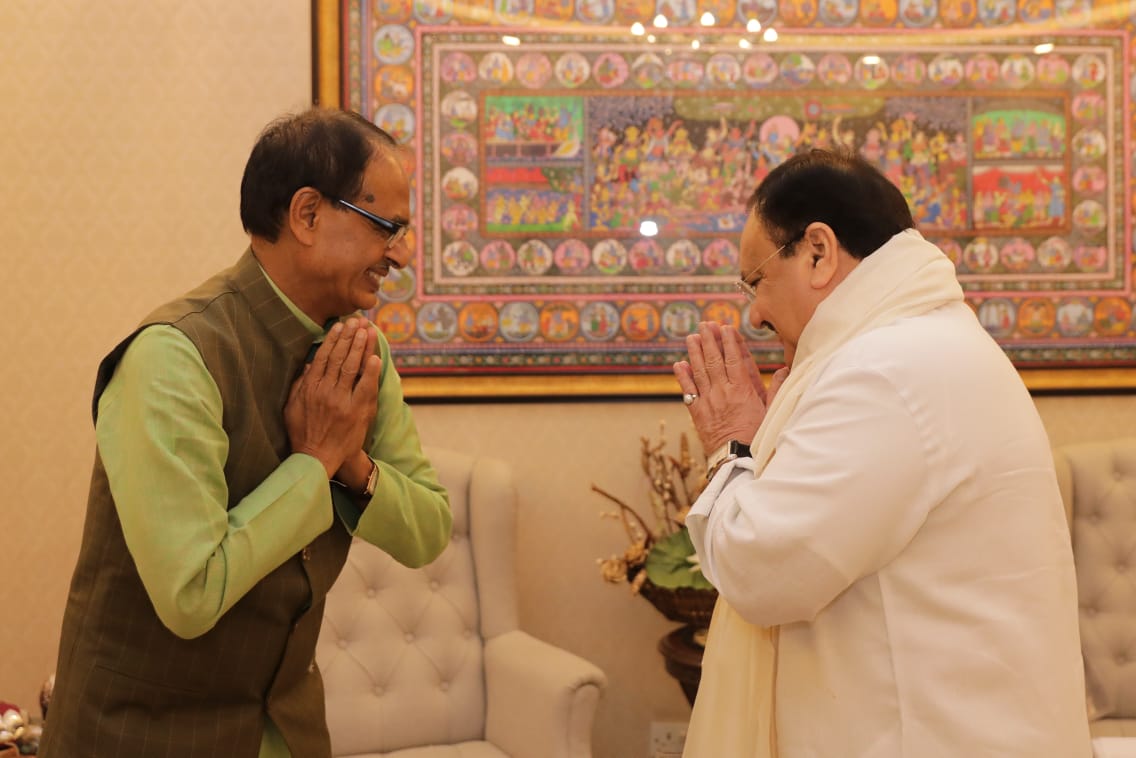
pixel 689 398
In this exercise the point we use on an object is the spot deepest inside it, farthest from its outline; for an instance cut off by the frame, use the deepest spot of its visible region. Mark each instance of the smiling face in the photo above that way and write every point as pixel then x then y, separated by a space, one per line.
pixel 346 268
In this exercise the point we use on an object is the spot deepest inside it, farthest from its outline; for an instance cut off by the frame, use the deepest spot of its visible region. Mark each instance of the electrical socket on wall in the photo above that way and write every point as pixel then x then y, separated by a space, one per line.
pixel 667 739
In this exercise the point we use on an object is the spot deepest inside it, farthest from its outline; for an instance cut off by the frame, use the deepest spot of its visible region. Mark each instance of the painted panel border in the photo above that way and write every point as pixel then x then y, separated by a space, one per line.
pixel 1035 206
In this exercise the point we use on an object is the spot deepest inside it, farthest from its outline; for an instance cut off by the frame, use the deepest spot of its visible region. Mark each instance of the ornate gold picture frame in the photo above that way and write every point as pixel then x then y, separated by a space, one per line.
pixel 579 182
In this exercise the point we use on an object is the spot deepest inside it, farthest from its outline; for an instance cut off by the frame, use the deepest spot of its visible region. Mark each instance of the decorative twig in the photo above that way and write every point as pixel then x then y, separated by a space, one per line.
pixel 626 510
pixel 669 501
pixel 683 472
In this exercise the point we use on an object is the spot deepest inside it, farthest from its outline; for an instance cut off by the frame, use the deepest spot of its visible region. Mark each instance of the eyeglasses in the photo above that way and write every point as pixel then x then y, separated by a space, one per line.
pixel 393 229
pixel 749 288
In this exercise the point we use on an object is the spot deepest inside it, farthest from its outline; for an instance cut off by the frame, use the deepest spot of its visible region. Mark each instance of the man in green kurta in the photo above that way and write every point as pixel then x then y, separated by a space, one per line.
pixel 240 446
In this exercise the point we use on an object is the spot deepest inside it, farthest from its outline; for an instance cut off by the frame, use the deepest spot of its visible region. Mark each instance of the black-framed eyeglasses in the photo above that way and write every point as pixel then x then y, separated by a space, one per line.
pixel 393 229
pixel 747 285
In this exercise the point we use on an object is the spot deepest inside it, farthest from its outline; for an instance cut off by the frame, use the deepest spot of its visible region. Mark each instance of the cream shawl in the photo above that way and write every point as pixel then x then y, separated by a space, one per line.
pixel 734 712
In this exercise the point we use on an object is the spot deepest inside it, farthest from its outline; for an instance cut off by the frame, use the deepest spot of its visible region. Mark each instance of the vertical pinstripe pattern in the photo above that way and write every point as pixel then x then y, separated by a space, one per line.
pixel 126 686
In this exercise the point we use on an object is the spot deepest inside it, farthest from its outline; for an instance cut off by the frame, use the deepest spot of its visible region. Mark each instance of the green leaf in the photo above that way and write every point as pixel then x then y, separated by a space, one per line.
pixel 669 563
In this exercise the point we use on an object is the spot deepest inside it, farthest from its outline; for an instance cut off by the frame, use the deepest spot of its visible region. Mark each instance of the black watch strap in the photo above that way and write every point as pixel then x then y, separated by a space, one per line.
pixel 735 449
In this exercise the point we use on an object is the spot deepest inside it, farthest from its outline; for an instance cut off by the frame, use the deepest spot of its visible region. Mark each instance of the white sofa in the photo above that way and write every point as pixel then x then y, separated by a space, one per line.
pixel 1098 484
pixel 430 663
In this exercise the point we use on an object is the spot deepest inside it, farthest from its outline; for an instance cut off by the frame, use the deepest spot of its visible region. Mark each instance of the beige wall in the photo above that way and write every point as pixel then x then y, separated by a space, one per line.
pixel 124 129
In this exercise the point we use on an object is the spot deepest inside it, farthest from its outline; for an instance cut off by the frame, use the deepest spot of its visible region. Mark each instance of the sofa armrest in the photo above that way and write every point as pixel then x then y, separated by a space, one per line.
pixel 541 700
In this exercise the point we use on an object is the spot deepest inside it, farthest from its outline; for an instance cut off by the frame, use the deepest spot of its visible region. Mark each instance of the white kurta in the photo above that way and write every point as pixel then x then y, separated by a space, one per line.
pixel 909 539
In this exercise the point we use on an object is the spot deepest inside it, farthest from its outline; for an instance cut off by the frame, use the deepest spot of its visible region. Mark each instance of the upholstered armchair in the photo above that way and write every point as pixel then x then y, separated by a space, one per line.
pixel 1098 484
pixel 431 662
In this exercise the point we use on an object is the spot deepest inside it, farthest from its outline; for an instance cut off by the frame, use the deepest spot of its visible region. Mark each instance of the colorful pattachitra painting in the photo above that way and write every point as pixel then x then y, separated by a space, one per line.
pixel 580 187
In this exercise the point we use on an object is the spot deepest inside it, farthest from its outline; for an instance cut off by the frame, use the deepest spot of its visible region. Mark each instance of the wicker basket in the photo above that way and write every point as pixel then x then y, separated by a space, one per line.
pixel 685 605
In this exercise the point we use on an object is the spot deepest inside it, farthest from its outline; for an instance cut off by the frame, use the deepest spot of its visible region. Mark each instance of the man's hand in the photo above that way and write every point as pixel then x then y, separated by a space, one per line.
pixel 333 402
pixel 731 395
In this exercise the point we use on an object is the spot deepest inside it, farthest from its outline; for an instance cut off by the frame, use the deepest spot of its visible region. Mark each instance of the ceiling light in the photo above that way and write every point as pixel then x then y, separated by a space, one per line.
pixel 707 19
pixel 753 26
pixel 744 44
pixel 648 228
pixel 637 29
pixel 508 39
pixel 1043 48
pixel 770 35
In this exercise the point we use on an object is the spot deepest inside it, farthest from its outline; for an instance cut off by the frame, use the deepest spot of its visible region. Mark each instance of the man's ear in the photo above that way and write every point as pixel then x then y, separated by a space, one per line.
pixel 823 250
pixel 303 214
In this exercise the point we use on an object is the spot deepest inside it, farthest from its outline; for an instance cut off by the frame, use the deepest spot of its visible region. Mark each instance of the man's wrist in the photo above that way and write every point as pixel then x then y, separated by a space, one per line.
pixel 729 451
pixel 358 475
pixel 716 458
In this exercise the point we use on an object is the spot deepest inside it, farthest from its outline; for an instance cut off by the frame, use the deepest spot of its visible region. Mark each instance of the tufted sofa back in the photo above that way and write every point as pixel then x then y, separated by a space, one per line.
pixel 1098 484
pixel 401 650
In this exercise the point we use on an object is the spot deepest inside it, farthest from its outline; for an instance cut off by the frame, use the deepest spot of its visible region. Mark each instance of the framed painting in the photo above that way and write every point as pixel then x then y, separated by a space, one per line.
pixel 580 170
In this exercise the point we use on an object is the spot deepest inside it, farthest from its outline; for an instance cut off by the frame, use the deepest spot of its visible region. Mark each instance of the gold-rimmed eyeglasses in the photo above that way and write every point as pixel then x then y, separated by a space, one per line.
pixel 394 230
pixel 747 284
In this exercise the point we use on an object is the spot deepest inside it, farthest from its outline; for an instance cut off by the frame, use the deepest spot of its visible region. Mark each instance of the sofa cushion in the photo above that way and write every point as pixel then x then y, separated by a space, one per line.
pixel 462 750
pixel 1112 730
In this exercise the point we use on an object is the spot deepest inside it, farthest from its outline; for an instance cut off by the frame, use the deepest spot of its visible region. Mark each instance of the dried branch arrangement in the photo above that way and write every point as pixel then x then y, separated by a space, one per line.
pixel 660 547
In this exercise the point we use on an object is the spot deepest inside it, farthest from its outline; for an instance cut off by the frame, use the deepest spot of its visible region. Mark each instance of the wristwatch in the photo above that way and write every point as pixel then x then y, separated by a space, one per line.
pixel 369 487
pixel 731 451
pixel 373 480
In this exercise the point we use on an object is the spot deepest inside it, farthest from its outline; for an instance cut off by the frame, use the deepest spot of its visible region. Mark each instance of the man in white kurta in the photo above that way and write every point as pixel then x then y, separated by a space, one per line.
pixel 897 534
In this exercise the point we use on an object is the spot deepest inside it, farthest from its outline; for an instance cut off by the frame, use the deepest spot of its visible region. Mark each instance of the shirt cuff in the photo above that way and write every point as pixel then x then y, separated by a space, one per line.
pixel 345 507
pixel 714 460
pixel 698 518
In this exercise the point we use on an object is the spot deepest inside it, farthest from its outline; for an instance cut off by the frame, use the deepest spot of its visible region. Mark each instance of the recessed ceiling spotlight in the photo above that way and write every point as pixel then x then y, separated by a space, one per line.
pixel 707 19
pixel 753 26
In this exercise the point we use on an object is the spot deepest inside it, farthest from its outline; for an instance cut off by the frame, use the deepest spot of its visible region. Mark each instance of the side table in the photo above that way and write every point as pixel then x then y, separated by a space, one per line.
pixel 683 659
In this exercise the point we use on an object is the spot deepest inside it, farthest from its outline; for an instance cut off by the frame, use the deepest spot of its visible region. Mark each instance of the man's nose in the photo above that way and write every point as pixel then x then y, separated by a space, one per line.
pixel 754 315
pixel 399 255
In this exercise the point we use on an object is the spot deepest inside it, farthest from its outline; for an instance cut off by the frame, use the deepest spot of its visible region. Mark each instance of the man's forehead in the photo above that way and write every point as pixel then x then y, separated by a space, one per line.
pixel 385 179
pixel 752 234
pixel 386 161
pixel 398 155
